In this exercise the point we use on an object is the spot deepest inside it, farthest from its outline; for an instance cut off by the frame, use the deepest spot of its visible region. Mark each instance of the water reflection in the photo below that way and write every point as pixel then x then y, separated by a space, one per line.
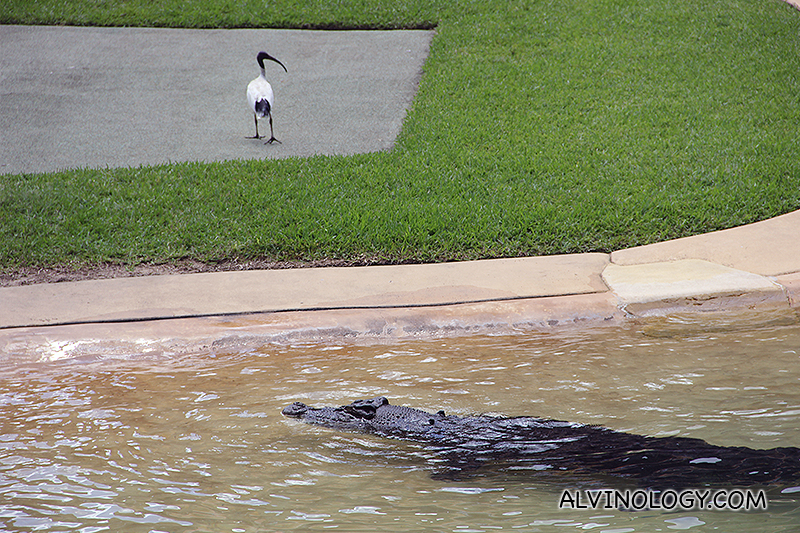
pixel 196 442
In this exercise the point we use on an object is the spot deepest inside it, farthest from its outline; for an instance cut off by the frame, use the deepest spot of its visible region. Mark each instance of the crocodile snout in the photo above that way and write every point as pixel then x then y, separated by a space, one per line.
pixel 296 409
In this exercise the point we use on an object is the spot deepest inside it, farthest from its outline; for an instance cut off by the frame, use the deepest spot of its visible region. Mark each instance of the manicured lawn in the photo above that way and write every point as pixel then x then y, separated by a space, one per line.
pixel 539 128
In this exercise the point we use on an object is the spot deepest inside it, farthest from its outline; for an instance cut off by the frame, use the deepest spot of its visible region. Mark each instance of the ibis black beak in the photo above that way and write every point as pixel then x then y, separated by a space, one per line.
pixel 263 55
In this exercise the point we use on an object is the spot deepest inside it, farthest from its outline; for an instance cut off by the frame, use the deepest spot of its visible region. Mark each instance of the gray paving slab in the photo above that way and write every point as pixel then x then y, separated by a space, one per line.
pixel 219 293
pixel 118 97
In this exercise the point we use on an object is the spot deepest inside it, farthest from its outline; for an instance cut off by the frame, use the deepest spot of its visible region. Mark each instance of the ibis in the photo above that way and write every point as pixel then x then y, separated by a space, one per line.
pixel 260 97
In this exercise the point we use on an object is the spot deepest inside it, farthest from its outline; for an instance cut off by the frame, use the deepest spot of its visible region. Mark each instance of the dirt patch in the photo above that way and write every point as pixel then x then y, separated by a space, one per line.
pixel 60 273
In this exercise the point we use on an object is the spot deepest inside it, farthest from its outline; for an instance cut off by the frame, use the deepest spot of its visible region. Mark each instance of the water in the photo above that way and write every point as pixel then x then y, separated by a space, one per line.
pixel 195 442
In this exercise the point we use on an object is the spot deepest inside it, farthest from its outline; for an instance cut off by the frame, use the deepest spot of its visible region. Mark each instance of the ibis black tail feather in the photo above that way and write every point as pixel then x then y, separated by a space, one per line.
pixel 263 108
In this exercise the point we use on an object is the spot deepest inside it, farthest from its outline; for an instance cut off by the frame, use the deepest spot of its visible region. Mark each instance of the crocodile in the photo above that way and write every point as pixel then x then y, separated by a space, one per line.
pixel 466 443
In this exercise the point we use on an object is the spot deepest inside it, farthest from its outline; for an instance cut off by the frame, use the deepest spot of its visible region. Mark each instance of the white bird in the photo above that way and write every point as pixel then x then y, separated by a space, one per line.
pixel 260 97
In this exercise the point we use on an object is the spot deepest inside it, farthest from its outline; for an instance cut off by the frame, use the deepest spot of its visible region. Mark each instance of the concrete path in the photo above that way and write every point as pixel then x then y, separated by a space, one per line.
pixel 120 97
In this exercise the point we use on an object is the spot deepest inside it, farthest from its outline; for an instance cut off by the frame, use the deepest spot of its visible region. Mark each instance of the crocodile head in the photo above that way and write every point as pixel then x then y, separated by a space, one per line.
pixel 375 415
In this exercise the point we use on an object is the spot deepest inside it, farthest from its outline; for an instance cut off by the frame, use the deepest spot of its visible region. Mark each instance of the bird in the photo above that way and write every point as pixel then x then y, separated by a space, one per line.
pixel 260 97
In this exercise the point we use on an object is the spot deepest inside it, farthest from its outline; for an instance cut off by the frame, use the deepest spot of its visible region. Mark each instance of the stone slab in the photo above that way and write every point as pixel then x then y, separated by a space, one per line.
pixel 123 97
pixel 219 334
pixel 769 248
pixel 221 293
pixel 654 285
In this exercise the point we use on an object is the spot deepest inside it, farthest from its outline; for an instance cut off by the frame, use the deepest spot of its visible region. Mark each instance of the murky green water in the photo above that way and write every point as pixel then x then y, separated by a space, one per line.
pixel 197 443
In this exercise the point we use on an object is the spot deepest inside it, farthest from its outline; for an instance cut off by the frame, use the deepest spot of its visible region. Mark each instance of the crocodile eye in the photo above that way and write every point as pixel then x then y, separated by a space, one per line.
pixel 431 421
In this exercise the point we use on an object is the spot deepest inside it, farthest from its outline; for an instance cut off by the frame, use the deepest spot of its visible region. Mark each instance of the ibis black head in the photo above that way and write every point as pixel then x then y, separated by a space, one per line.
pixel 263 55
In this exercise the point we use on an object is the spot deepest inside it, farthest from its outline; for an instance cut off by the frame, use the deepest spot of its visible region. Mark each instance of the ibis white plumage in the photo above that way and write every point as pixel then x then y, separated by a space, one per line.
pixel 260 97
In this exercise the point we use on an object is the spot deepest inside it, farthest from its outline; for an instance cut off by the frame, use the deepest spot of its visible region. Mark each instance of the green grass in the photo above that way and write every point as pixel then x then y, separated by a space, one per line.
pixel 540 127
pixel 317 14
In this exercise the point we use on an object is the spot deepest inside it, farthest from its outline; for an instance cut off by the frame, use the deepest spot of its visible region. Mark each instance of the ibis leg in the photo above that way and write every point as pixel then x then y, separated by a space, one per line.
pixel 272 138
pixel 255 120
